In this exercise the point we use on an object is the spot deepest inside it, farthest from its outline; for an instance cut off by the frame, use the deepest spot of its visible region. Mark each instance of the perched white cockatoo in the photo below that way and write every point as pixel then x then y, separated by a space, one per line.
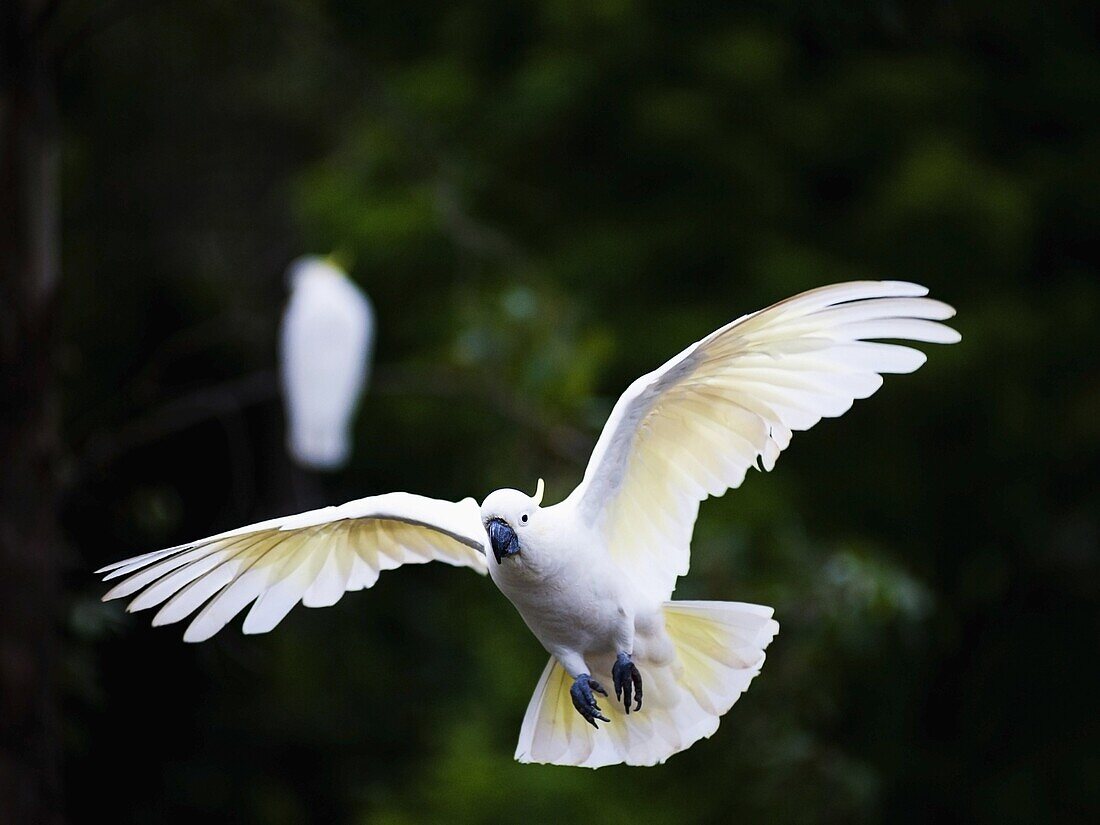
pixel 325 344
pixel 593 575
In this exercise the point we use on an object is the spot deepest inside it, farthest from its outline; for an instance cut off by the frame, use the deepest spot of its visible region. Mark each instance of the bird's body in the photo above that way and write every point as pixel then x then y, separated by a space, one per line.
pixel 577 601
pixel 325 343
pixel 593 575
pixel 565 584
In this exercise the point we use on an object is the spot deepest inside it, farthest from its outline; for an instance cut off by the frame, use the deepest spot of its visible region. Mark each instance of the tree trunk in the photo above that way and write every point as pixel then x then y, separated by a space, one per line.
pixel 30 550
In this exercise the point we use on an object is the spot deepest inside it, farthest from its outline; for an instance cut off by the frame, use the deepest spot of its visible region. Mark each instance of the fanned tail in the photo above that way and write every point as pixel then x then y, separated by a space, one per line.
pixel 718 650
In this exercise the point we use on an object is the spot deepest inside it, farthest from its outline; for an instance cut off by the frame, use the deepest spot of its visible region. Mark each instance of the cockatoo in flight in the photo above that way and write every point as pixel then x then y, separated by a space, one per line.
pixel 325 343
pixel 593 575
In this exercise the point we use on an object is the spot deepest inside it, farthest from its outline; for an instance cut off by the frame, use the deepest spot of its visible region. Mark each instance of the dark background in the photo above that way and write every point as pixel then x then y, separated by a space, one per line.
pixel 545 200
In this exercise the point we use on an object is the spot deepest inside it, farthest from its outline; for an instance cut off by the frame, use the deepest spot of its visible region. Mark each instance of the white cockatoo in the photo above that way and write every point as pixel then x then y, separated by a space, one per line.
pixel 593 575
pixel 325 343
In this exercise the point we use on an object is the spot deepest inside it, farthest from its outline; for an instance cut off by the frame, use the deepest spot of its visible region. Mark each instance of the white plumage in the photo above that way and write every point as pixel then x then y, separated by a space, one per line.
pixel 325 347
pixel 693 427
pixel 591 576
pixel 313 557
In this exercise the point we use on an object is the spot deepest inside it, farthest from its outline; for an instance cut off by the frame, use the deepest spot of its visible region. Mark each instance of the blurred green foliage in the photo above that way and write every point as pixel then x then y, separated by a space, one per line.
pixel 546 200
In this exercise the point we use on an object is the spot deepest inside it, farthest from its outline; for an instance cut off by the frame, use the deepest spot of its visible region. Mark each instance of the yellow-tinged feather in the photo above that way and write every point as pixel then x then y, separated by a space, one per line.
pixel 311 558
pixel 718 651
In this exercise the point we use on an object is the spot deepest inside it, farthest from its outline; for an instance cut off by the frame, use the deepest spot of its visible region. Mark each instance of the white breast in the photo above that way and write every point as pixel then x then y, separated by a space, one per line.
pixel 563 582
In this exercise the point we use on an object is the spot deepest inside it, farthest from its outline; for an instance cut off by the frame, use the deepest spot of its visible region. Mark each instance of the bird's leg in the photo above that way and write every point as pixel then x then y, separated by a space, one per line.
pixel 625 675
pixel 627 681
pixel 585 702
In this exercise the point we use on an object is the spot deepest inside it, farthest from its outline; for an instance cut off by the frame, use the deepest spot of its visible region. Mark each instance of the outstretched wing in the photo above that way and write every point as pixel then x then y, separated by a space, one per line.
pixel 312 557
pixel 692 428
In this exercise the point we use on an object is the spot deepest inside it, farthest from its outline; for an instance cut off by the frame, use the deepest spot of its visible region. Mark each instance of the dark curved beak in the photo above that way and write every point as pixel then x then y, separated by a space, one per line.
pixel 503 538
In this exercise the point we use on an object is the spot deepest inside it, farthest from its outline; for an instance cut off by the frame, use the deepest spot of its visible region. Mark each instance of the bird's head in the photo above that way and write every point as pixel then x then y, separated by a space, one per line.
pixel 309 268
pixel 506 514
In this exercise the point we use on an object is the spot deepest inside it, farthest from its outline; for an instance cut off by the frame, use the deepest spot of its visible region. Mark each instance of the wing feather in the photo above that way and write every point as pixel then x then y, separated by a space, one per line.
pixel 312 558
pixel 692 428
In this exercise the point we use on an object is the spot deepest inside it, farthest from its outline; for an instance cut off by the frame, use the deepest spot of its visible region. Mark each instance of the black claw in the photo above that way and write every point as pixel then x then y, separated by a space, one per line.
pixel 585 702
pixel 628 682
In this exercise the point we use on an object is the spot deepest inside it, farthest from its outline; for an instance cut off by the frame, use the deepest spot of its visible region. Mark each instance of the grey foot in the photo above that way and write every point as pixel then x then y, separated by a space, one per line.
pixel 585 702
pixel 627 681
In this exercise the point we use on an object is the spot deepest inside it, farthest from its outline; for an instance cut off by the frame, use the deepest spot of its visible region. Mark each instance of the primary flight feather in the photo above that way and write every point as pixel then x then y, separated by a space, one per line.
pixel 591 576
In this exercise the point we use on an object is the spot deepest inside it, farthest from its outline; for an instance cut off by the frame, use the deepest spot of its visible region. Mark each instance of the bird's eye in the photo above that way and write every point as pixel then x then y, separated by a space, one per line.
pixel 523 518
